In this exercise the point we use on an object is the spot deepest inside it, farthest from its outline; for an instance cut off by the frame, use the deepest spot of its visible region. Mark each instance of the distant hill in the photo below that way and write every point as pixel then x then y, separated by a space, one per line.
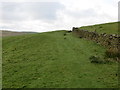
pixel 109 28
pixel 12 33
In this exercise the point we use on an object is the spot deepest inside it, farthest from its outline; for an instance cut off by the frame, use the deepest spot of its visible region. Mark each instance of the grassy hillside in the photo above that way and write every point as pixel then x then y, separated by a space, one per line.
pixel 109 28
pixel 53 60
pixel 0 63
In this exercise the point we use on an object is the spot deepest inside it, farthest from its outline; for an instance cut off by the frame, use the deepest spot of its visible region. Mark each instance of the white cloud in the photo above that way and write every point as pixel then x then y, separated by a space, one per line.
pixel 59 15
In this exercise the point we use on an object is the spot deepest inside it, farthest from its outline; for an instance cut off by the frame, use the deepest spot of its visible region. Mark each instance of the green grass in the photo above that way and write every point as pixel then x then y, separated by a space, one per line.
pixel 109 28
pixel 0 62
pixel 47 60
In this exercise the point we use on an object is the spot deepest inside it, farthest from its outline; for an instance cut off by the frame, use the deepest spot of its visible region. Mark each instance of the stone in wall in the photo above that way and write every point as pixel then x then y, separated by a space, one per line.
pixel 104 39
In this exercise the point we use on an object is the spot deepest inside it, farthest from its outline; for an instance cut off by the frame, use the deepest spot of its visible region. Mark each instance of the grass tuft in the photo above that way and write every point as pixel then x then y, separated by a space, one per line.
pixel 97 59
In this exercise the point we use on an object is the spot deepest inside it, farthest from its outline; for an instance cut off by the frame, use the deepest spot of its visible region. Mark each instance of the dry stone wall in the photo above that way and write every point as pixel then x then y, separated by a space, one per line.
pixel 107 40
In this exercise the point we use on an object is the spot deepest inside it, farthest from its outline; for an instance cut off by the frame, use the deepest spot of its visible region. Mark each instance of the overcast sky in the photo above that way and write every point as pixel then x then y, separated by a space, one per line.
pixel 42 16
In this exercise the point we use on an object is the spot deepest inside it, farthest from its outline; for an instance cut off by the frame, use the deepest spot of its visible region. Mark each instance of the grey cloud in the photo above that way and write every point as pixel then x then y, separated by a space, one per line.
pixel 83 14
pixel 45 10
pixel 10 11
pixel 119 11
pixel 34 10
